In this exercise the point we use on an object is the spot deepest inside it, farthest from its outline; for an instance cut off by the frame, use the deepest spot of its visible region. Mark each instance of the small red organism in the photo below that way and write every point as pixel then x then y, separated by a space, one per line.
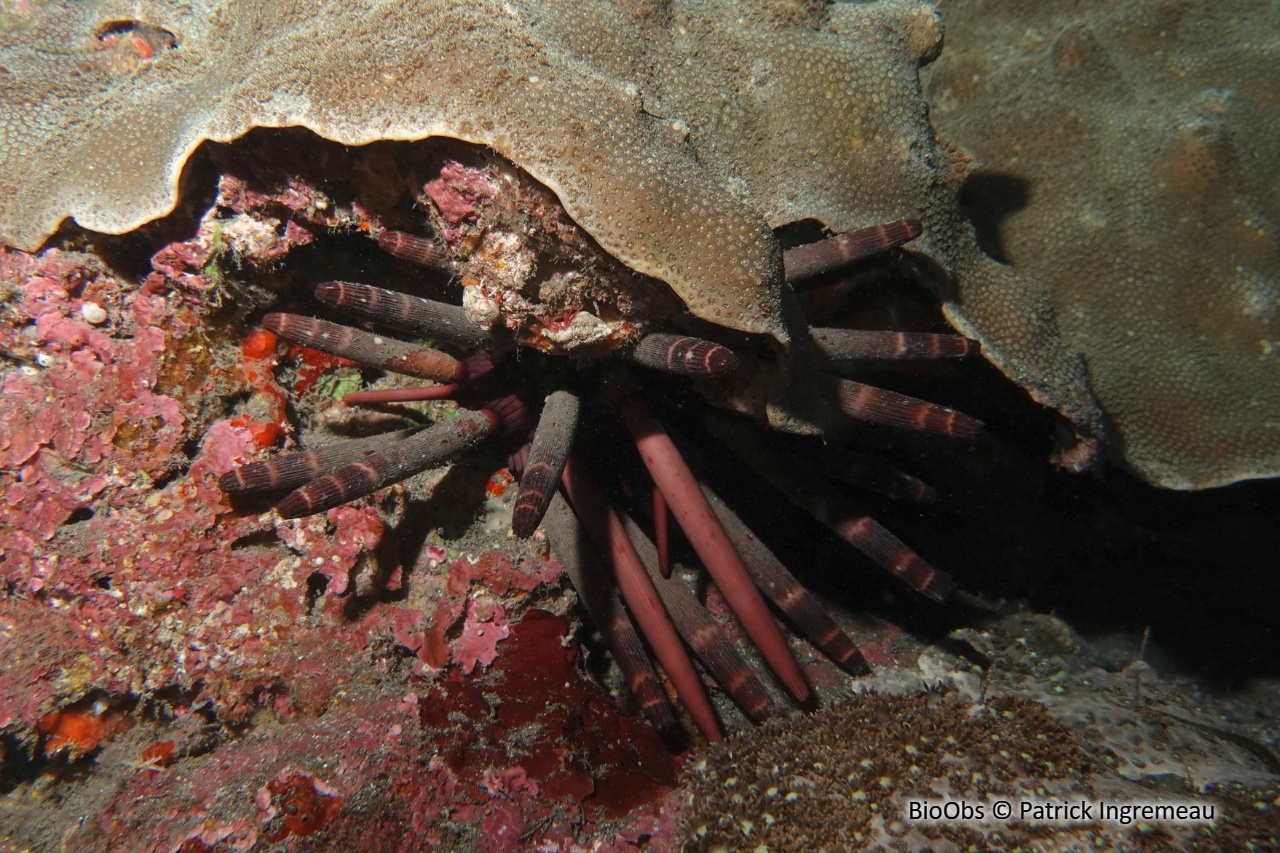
pixel 78 731
pixel 143 48
pixel 259 344
pixel 155 757
pixel 560 322
pixel 498 483
pixel 258 360
pixel 311 364
pixel 264 434
pixel 306 803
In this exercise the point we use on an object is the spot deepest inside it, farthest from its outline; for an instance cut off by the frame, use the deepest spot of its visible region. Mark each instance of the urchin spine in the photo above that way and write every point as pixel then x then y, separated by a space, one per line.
pixel 684 356
pixel 389 464
pixel 424 317
pixel 841 250
pixel 702 633
pixel 787 593
pixel 590 578
pixel 552 441
pixel 605 529
pixel 290 470
pixel 366 348
pixel 860 344
pixel 694 514
pixel 422 251
pixel 868 403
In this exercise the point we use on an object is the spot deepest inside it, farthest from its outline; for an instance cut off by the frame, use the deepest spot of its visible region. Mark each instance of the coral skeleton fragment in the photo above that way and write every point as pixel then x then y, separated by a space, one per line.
pixel 602 548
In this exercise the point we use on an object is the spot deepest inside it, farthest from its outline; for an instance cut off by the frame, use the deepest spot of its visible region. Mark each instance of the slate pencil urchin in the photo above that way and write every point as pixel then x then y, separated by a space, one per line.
pixel 576 302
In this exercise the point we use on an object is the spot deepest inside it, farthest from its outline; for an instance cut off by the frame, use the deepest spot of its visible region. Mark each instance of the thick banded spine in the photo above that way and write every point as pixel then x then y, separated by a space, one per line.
pixel 390 464
pixel 684 356
pixel 421 251
pixel 510 415
pixel 290 470
pixel 805 486
pixel 703 634
pixel 605 529
pixel 841 250
pixel 589 577
pixel 788 594
pixel 868 403
pixel 868 471
pixel 424 317
pixel 871 538
pixel 552 441
pixel 366 347
pixel 692 512
pixel 860 345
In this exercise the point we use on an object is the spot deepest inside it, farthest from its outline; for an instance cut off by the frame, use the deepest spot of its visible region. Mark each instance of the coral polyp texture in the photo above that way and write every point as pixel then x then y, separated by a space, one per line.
pixel 845 778
pixel 1126 158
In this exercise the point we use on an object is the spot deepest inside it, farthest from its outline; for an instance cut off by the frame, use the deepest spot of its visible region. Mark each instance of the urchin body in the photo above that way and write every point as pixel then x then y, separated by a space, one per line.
pixel 533 285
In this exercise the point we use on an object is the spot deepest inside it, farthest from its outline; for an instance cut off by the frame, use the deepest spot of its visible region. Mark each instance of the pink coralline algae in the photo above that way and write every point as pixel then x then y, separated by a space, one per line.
pixel 484 627
pixel 142 608
pixel 58 423
pixel 551 764
pixel 117 548
pixel 458 191
pixel 302 803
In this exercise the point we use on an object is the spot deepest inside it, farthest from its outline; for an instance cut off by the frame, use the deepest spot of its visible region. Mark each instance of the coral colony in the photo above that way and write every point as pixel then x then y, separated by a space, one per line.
pixel 798 113
pixel 1174 303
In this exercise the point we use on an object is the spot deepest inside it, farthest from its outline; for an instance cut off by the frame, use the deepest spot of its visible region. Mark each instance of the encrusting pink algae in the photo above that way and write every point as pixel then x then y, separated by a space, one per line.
pixel 143 613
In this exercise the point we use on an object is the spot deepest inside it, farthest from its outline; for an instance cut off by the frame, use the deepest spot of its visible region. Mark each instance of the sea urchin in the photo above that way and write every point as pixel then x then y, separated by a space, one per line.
pixel 533 282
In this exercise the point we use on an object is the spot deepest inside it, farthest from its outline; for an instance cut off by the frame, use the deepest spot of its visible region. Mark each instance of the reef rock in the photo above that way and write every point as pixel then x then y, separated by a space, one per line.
pixel 1143 138
pixel 675 134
